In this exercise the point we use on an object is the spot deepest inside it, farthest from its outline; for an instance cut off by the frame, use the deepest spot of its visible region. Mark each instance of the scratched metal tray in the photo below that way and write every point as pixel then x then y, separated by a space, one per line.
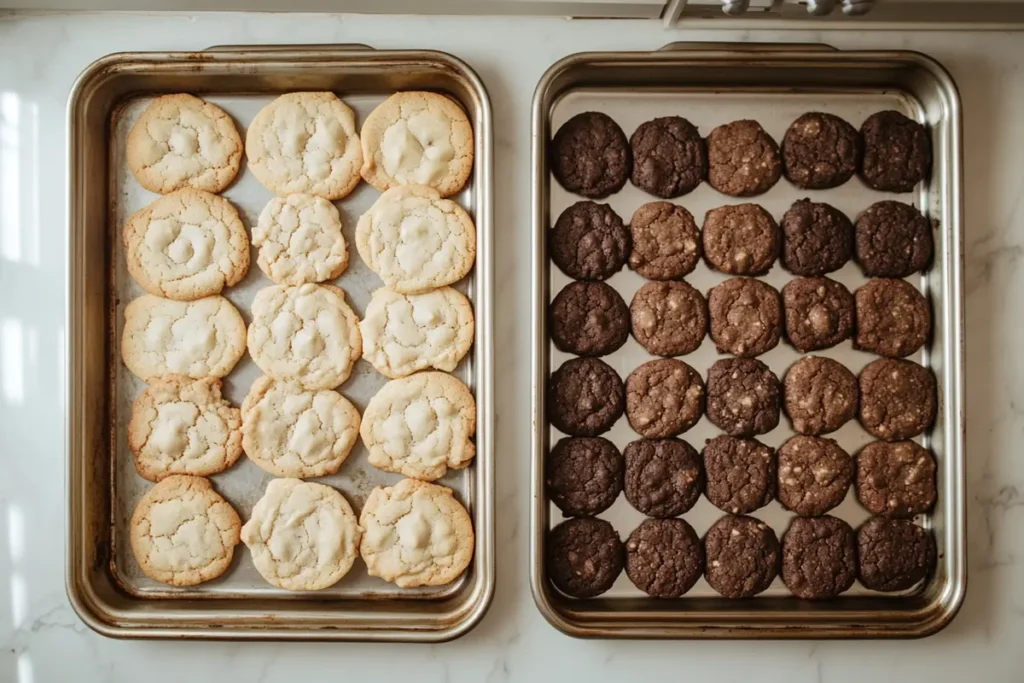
pixel 711 85
pixel 104 582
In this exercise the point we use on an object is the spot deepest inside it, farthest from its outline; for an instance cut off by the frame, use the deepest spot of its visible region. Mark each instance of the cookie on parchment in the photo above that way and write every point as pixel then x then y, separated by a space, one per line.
pixel 290 431
pixel 416 241
pixel 404 333
pixel 820 395
pixel 589 319
pixel 820 151
pixel 892 239
pixel 306 333
pixel 184 426
pixel 203 338
pixel 589 241
pixel 664 557
pixel 416 534
pixel 181 141
pixel 420 426
pixel 743 160
pixel 666 242
pixel 896 479
pixel 590 155
pixel 740 239
pixel 585 397
pixel 186 245
pixel 814 475
pixel 305 142
pixel 897 152
pixel 417 138
pixel 893 318
pixel 669 157
pixel 818 312
pixel 302 536
pixel 584 475
pixel 746 316
pixel 183 532
pixel 893 554
pixel 584 556
pixel 300 240
pixel 664 397
pixel 669 318
pixel 742 555
pixel 819 558
pixel 897 398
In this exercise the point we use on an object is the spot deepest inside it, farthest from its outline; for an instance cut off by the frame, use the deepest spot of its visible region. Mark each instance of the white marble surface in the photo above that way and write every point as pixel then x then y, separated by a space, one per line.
pixel 41 640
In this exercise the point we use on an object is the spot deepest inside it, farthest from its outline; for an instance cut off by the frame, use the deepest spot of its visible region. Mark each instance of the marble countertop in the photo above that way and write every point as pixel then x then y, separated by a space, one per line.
pixel 41 639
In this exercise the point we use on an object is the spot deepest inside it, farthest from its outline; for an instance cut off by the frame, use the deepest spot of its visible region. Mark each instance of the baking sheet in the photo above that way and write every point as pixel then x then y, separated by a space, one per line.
pixel 712 84
pixel 244 484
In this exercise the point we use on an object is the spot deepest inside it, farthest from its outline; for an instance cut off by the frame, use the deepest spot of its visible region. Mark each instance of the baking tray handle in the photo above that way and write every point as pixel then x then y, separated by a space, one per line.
pixel 748 47
pixel 287 47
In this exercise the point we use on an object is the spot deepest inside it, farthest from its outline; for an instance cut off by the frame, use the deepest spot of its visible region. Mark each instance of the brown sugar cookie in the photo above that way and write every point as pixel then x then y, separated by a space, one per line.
pixel 746 316
pixel 743 160
pixel 893 318
pixel 818 312
pixel 664 397
pixel 820 395
pixel 740 239
pixel 666 243
pixel 669 318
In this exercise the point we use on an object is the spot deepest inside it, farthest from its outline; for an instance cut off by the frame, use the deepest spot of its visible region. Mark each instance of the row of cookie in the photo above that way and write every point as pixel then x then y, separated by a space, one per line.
pixel 304 142
pixel 302 535
pixel 190 244
pixel 809 475
pixel 662 242
pixel 305 333
pixel 895 399
pixel 418 426
pixel 740 556
pixel 745 317
pixel 667 157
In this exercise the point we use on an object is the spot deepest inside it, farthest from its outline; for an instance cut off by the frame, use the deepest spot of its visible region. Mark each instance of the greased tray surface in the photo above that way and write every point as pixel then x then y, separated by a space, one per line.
pixel 252 82
pixel 710 89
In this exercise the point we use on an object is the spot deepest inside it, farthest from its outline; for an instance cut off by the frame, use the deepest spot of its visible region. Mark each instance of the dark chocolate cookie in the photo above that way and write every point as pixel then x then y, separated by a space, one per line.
pixel 820 395
pixel 743 160
pixel 816 238
pixel 590 155
pixel 740 239
pixel 892 239
pixel 896 479
pixel 585 397
pixel 819 313
pixel 740 474
pixel 589 242
pixel 663 476
pixel 893 318
pixel 669 157
pixel 584 475
pixel 893 554
pixel 743 397
pixel 820 151
pixel 897 399
pixel 814 475
pixel 666 243
pixel 664 557
pixel 819 558
pixel 585 556
pixel 669 318
pixel 897 152
pixel 746 317
pixel 742 555
pixel 664 397
pixel 589 319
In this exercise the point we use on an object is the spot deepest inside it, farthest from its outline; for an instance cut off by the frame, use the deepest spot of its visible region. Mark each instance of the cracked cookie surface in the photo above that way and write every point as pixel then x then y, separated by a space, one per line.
pixel 403 333
pixel 892 239
pixel 664 397
pixel 306 333
pixel 415 240
pixel 818 312
pixel 664 557
pixel 897 152
pixel 820 395
pixel 293 432
pixel 186 245
pixel 589 241
pixel 740 239
pixel 743 160
pixel 584 556
pixel 588 319
pixel 590 155
pixel 820 151
pixel 183 426
pixel 182 532
pixel 584 475
pixel 299 240
pixel 893 318
pixel 417 138
pixel 814 475
pixel 585 397
pixel 203 338
pixel 817 238
pixel 664 477
pixel 740 474
pixel 305 142
pixel 669 318
pixel 417 534
pixel 420 426
pixel 893 554
pixel 746 317
pixel 818 557
pixel 896 479
pixel 302 536
pixel 666 242
pixel 669 157
pixel 181 141
pixel 897 398
pixel 742 556
pixel 743 397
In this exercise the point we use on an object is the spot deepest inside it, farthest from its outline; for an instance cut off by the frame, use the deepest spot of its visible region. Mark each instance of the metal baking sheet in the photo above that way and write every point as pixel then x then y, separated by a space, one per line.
pixel 105 582
pixel 774 85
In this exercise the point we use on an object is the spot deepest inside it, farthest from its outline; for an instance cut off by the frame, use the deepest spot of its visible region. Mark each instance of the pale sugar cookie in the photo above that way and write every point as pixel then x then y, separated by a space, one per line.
pixel 300 240
pixel 417 138
pixel 181 141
